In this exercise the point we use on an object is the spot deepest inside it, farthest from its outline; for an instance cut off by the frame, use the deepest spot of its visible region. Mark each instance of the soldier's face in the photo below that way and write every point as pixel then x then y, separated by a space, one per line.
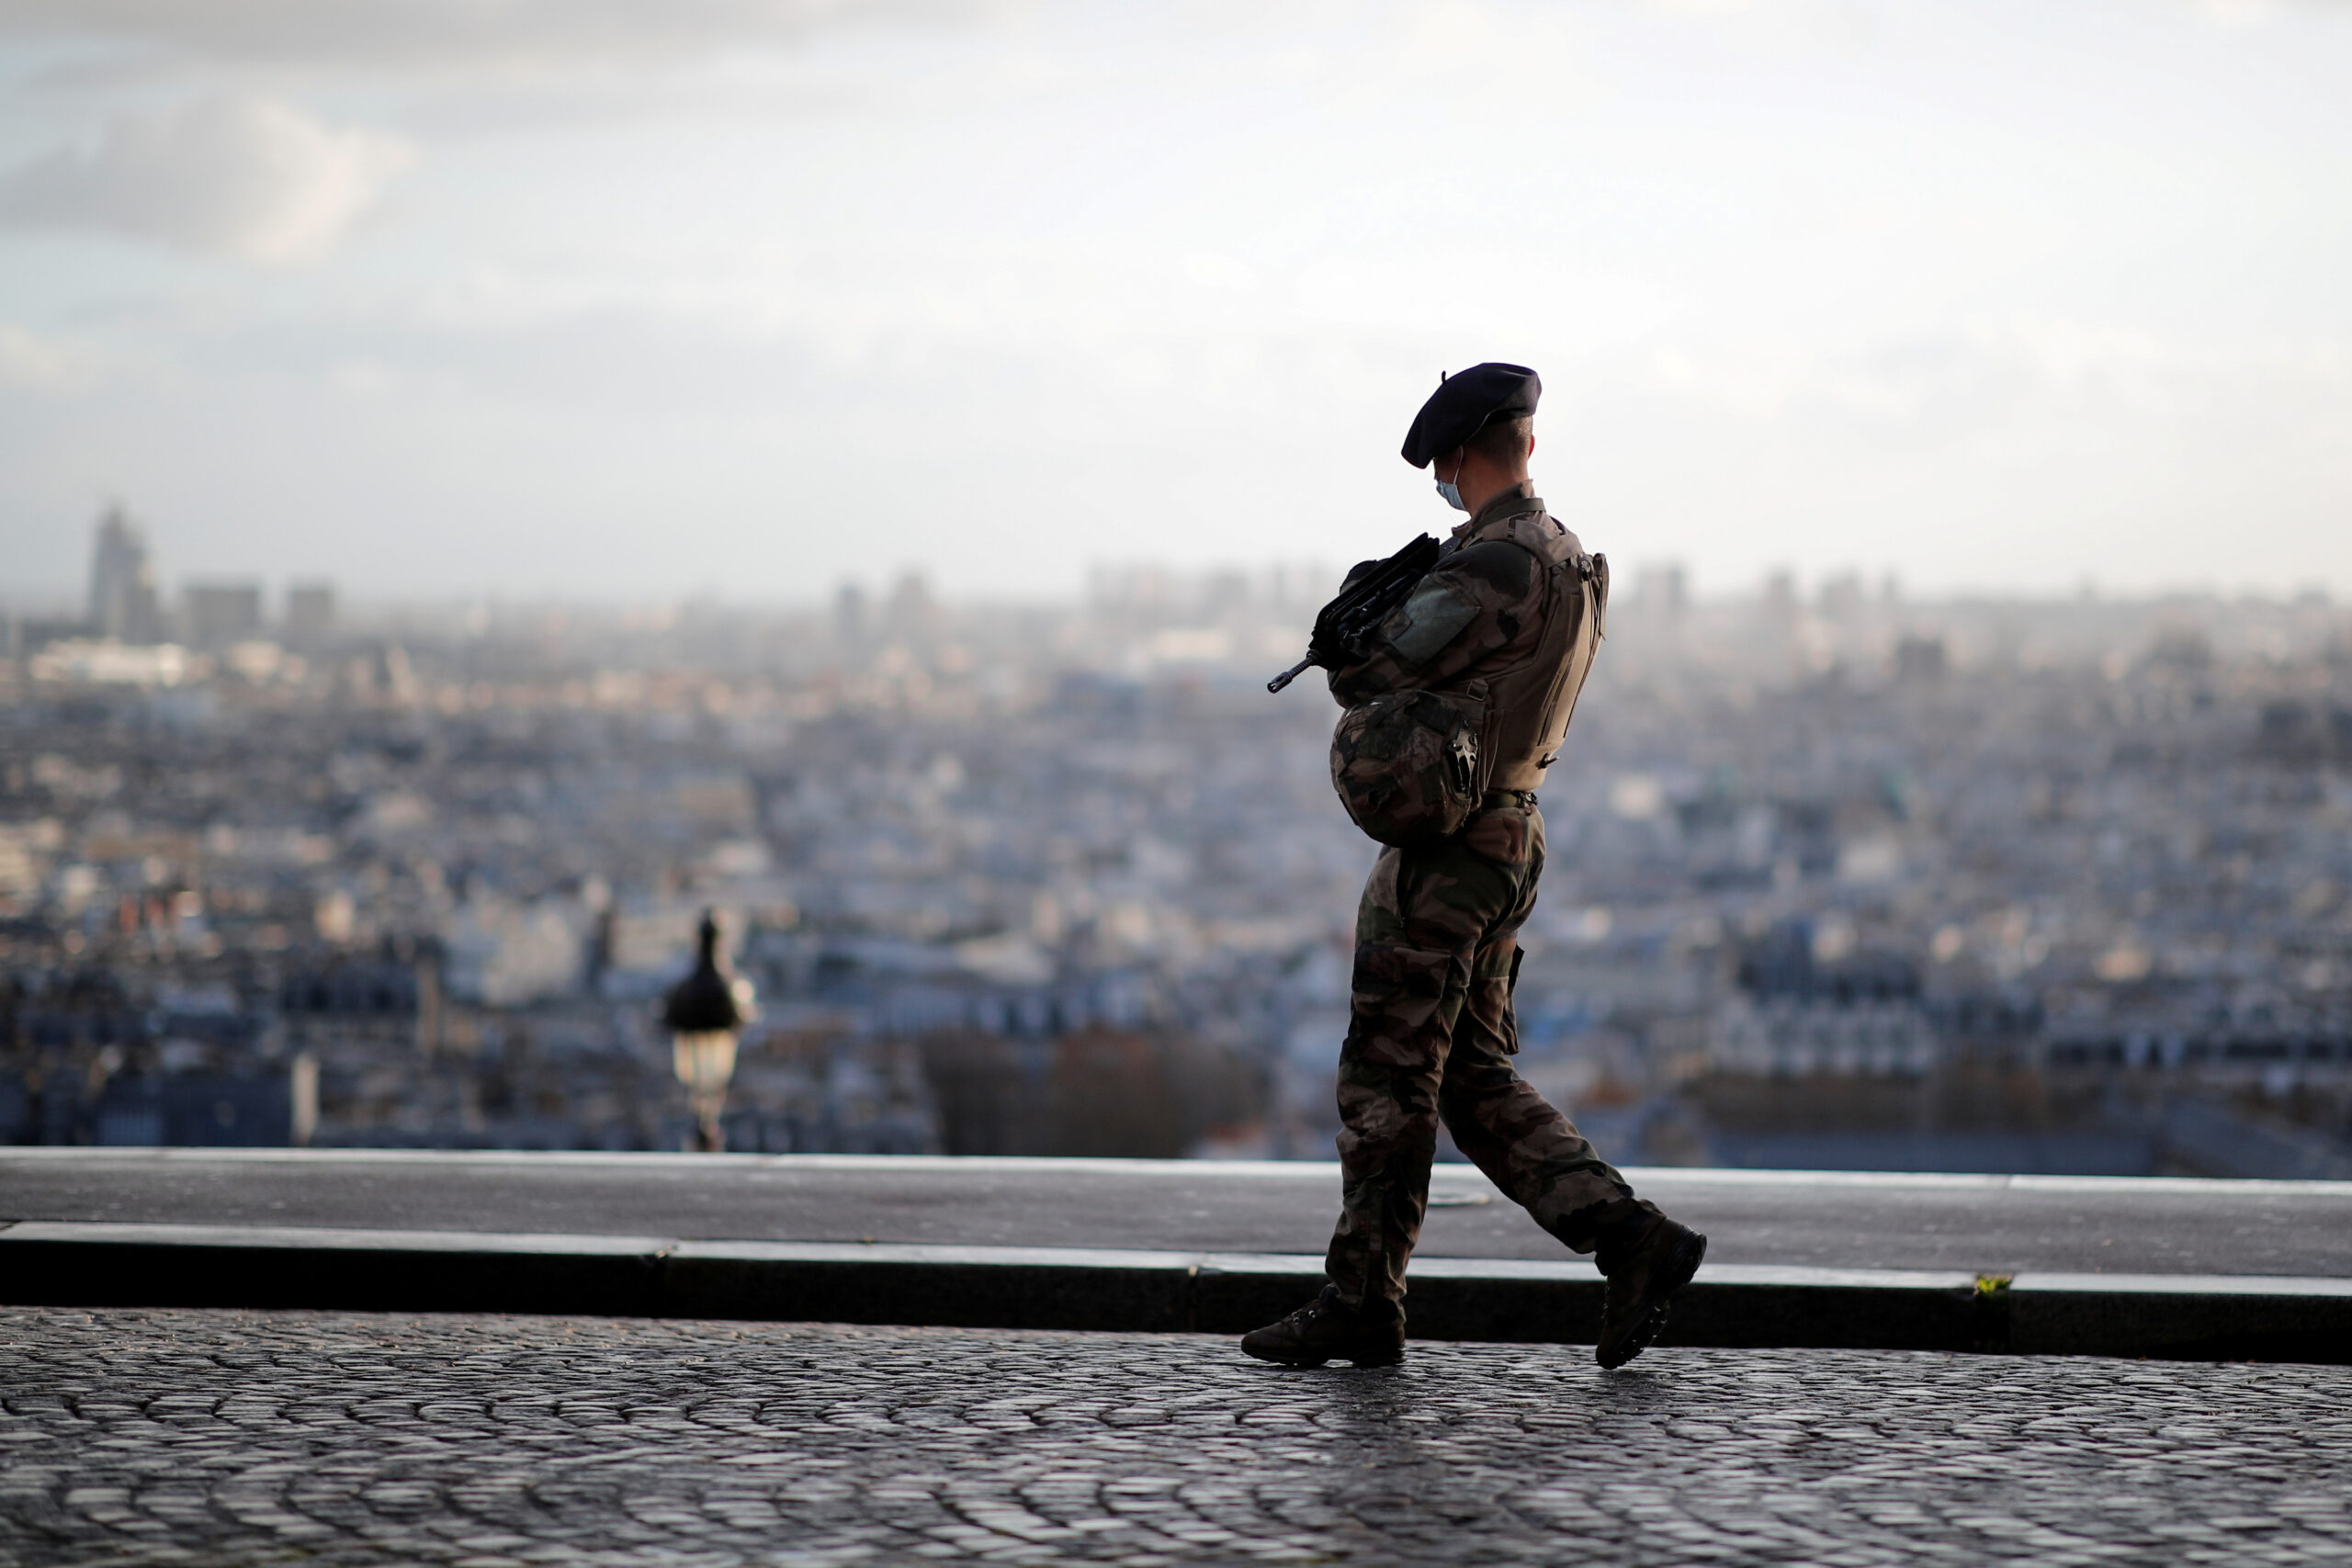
pixel 1448 488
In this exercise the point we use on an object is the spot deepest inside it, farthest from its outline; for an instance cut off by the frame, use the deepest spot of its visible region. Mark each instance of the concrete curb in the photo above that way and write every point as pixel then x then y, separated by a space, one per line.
pixel 2194 1318
pixel 1667 1178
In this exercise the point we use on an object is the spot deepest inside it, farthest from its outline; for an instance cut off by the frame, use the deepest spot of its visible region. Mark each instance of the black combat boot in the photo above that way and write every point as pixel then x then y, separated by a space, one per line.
pixel 1647 1260
pixel 1323 1330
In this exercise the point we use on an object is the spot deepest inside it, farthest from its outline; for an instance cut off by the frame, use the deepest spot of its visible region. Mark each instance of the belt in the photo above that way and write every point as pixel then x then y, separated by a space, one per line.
pixel 1494 798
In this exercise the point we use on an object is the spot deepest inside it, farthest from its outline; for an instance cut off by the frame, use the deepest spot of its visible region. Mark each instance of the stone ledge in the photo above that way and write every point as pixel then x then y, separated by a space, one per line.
pixel 1666 1178
pixel 1500 1299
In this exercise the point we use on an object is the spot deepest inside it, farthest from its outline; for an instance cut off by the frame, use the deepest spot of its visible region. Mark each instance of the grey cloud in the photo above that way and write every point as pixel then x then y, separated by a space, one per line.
pixel 496 33
pixel 244 176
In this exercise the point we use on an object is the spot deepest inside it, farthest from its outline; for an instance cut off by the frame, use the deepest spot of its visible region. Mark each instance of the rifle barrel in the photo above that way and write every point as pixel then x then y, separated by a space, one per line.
pixel 1293 674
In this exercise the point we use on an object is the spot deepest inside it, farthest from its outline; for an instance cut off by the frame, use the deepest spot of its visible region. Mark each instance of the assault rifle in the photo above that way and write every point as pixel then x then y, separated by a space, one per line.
pixel 1342 626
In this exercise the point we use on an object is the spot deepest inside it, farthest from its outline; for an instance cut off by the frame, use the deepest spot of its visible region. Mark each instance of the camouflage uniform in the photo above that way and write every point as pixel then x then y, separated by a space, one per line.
pixel 1431 1033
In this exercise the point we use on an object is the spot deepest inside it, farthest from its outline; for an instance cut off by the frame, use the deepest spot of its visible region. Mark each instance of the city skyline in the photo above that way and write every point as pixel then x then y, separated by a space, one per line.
pixel 1836 879
pixel 171 585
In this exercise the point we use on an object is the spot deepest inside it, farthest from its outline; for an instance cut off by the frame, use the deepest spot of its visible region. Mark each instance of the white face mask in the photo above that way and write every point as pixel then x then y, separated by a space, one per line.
pixel 1447 489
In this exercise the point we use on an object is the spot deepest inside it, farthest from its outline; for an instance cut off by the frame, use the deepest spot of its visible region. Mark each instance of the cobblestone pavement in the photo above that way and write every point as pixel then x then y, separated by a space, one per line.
pixel 169 1437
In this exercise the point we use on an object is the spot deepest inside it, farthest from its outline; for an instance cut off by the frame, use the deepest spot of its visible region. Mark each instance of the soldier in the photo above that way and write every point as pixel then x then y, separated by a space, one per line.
pixel 1505 625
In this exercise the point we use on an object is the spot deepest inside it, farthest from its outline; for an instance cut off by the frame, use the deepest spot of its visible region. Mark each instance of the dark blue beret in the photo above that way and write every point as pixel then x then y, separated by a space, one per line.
pixel 1463 405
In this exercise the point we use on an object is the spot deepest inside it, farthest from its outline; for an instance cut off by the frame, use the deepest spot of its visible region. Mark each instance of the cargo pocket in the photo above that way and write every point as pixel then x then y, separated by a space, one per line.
pixel 1396 993
pixel 1492 981
pixel 1502 836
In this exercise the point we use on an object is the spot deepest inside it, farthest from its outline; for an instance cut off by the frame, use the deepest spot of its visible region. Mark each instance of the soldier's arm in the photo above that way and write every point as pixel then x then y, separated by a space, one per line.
pixel 1470 606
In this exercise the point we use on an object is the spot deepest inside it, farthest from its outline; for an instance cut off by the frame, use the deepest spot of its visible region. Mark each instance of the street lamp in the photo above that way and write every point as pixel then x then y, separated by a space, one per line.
pixel 702 1014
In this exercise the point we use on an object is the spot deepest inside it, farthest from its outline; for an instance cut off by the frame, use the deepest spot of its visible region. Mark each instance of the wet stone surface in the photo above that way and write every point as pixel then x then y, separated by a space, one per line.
pixel 264 1438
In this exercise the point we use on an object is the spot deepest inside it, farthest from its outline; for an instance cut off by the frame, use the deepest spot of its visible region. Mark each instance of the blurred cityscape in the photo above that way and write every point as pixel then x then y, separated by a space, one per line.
pixel 1836 879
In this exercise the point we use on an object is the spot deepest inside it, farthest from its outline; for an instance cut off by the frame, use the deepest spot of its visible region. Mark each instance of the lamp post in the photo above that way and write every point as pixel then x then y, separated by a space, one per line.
pixel 702 1014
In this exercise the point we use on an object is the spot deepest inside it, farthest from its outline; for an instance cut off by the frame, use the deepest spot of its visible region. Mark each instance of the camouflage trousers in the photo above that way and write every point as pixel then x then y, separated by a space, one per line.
pixel 1430 1036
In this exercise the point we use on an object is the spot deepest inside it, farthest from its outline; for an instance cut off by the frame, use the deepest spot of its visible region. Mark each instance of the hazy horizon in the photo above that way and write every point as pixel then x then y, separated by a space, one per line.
pixel 362 607
pixel 444 301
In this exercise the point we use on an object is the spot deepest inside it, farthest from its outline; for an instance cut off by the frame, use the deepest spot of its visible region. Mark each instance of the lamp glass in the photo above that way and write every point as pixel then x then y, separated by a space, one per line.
pixel 704 1060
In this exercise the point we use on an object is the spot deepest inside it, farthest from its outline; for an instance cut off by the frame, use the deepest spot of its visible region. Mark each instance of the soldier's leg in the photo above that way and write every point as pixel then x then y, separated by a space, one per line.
pixel 1526 1147
pixel 1424 913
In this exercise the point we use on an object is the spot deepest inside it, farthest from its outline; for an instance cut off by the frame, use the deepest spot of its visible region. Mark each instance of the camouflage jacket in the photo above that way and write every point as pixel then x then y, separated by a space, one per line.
pixel 1479 610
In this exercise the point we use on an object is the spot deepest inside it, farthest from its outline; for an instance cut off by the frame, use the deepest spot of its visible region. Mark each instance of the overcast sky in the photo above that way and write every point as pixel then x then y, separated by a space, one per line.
pixel 624 300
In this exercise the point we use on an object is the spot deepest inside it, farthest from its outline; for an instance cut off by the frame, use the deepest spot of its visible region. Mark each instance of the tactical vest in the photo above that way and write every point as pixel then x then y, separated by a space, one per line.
pixel 1411 766
pixel 1530 703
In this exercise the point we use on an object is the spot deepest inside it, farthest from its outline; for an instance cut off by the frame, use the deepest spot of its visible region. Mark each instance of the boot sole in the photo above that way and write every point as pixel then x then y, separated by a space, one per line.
pixel 1305 1363
pixel 1672 1277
